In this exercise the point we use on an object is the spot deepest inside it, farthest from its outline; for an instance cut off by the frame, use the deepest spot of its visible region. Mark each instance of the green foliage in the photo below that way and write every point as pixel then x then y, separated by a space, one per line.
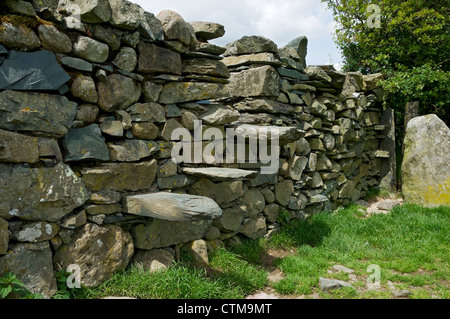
pixel 411 48
pixel 61 280
pixel 13 288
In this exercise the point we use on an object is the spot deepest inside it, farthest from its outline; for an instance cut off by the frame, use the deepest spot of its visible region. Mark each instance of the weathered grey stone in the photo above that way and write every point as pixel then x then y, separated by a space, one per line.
pixel 219 115
pixel 158 233
pixel 120 176
pixel 187 120
pixel 36 232
pixel 126 59
pixel 231 219
pixel 87 113
pixel 213 234
pixel 169 127
pixel 107 35
pixel 104 209
pixel 297 165
pixel 250 44
pixel 285 135
pixel 272 212
pixel 174 182
pixel 4 236
pixel 292 74
pixel 254 228
pixel 147 112
pixel 131 150
pixel 109 248
pixel 18 37
pixel 43 113
pixel 254 201
pixel 85 143
pixel 112 128
pixel 283 192
pixel 93 11
pixel 198 249
pixel 83 87
pixel 155 59
pixel 210 48
pixel 174 27
pixel 21 7
pixel 250 59
pixel 167 169
pixel 205 66
pixel 222 193
pixel 18 148
pixel 317 73
pixel 263 106
pixel 145 131
pixel 54 40
pixel 32 264
pixel 302 147
pixel 208 30
pixel 105 197
pixel 91 50
pixel 301 45
pixel 179 92
pixel 58 192
pixel 426 162
pixel 153 260
pixel 332 284
pixel 117 93
pixel 125 14
pixel 150 27
pixel 75 221
pixel 261 81
pixel 173 207
pixel 151 91
pixel 221 174
pixel 269 196
pixel 77 64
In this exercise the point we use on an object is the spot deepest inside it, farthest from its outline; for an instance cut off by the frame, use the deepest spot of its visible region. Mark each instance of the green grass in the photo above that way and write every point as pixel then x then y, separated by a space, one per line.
pixel 410 245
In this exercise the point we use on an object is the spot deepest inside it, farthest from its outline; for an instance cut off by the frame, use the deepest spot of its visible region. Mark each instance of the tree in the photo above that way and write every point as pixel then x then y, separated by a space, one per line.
pixel 410 46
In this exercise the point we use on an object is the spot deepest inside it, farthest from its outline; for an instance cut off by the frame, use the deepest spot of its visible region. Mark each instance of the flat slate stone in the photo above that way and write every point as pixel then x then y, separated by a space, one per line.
pixel 173 207
pixel 221 174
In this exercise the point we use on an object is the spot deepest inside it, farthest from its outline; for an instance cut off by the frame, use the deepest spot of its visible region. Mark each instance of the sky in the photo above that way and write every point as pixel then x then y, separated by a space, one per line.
pixel 279 20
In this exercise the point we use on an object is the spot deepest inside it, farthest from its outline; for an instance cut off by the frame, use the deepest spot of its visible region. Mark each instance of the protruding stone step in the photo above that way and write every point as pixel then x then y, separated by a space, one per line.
pixel 173 207
pixel 221 174
pixel 285 134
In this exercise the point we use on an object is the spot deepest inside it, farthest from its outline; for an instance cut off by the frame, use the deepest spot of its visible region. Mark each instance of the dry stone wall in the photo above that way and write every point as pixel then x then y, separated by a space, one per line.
pixel 89 103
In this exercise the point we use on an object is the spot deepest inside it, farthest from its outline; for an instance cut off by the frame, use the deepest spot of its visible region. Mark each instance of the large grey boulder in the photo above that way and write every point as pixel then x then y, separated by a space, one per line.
pixel 261 81
pixel 426 162
pixel 173 207
pixel 32 264
pixel 175 27
pixel 39 193
pixel 98 251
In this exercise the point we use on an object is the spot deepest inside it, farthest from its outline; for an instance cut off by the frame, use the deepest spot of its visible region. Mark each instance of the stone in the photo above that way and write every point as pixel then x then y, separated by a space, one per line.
pixel 87 113
pixel 208 30
pixel 222 193
pixel 75 221
pixel 180 92
pixel 231 219
pixel 85 143
pixel 220 174
pixel 283 192
pixel 108 248
pixel 147 112
pixel 151 91
pixel 272 212
pixel 155 59
pixel 94 11
pixel 260 81
pixel 167 169
pixel 387 205
pixel 158 233
pixel 187 120
pixel 172 111
pixel 58 192
pixel 254 228
pixel 18 148
pixel 292 74
pixel 250 44
pixel 91 50
pixel 169 127
pixel 174 182
pixel 120 176
pixel 126 59
pixel 219 115
pixel 371 81
pixel 263 106
pixel 32 264
pixel 151 27
pixel 254 201
pixel 108 209
pixel 21 7
pixel 426 162
pixel 153 260
pixel 4 237
pixel 36 232
pixel 112 128
pixel 174 27
pixel 173 207
pixel 77 64
pixel 145 131
pixel 198 249
pixel 285 135
pixel 269 196
pixel 205 66
pixel 317 73
pixel 213 234
pixel 83 87
pixel 297 165
pixel 250 59
pixel 131 150
pixel 18 37
pixel 326 284
pixel 54 40
pixel 125 14
pixel 401 293
pixel 301 45
pixel 302 147
pixel 117 93
pixel 340 268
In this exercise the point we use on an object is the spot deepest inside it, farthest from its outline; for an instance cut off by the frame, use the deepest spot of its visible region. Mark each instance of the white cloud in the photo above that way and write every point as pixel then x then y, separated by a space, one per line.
pixel 278 20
